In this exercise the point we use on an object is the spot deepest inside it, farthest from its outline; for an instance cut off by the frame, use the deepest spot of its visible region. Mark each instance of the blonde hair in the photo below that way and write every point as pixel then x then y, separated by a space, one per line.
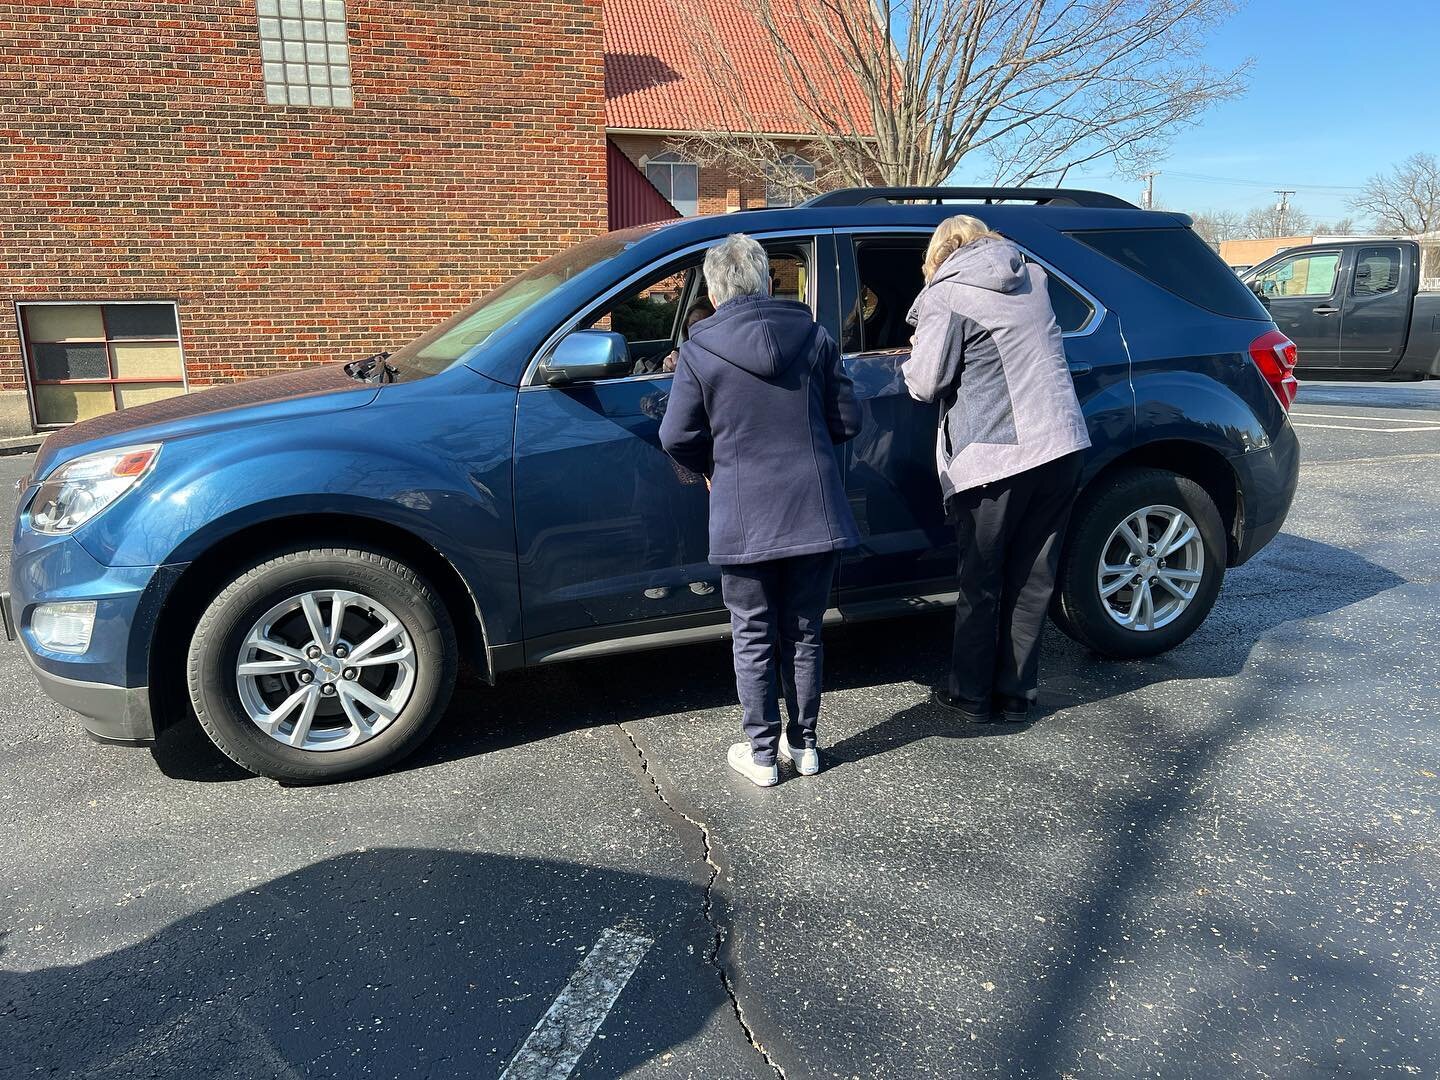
pixel 950 236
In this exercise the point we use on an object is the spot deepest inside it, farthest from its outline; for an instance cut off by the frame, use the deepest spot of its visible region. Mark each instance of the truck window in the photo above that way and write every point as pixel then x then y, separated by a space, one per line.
pixel 1179 262
pixel 1310 274
pixel 1377 271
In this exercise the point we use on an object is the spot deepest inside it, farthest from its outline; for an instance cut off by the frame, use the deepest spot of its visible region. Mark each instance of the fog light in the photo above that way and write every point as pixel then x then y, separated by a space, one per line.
pixel 64 628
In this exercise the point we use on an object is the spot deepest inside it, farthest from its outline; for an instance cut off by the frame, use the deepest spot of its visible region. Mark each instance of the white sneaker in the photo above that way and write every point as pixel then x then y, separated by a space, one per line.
pixel 743 762
pixel 805 759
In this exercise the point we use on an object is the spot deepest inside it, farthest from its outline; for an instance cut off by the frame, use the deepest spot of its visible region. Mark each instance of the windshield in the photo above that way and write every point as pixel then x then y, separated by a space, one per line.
pixel 437 349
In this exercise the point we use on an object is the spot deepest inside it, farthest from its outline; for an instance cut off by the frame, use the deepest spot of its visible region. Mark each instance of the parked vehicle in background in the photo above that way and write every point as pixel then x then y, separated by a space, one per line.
pixel 1354 308
pixel 304 561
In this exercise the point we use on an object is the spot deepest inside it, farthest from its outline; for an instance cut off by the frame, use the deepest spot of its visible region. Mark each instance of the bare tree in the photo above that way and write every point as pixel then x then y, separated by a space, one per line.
pixel 1404 200
pixel 1214 226
pixel 1267 220
pixel 905 91
pixel 1344 226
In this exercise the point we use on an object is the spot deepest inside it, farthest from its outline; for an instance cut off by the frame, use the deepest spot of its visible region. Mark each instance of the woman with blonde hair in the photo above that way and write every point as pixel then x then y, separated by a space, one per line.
pixel 1009 452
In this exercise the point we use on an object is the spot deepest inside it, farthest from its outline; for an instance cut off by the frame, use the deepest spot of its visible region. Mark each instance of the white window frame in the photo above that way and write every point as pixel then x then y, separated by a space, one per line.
pixel 670 160
pixel 779 194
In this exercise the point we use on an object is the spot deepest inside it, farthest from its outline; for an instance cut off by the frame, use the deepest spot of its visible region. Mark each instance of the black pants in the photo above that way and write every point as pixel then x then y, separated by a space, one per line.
pixel 1010 534
pixel 776 610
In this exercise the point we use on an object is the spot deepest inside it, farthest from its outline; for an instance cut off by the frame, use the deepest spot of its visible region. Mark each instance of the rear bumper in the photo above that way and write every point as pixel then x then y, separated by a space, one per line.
pixel 1268 479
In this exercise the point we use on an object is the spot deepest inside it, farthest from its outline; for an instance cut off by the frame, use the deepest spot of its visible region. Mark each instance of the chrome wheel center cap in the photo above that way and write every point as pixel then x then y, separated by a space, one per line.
pixel 1146 568
pixel 328 669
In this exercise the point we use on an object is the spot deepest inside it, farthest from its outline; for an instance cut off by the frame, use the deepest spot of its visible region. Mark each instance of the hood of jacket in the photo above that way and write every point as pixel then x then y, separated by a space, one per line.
pixel 759 334
pixel 996 265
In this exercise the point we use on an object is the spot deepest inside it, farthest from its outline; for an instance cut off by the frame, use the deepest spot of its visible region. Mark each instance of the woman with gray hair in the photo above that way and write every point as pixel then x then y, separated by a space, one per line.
pixel 759 402
pixel 988 349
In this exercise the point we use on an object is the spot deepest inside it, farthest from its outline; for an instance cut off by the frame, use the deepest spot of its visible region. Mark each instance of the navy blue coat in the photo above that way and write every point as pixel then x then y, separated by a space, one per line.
pixel 759 402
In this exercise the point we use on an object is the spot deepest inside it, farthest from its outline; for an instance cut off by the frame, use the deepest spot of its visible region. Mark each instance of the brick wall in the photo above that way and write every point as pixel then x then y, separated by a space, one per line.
pixel 138 159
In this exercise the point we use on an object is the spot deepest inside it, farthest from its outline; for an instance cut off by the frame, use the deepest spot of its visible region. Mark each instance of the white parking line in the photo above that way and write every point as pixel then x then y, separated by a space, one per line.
pixel 560 1038
pixel 1375 430
pixel 1376 419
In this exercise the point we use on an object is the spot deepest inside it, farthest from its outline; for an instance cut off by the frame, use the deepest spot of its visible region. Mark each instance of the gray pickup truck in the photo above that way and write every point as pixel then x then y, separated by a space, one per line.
pixel 1353 309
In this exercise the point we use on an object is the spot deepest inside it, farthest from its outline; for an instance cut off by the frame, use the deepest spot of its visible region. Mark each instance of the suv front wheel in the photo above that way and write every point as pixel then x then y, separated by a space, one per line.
pixel 322 664
pixel 1143 563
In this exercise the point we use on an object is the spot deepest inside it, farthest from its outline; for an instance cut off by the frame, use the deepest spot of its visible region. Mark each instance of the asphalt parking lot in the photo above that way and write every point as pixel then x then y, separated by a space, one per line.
pixel 1222 862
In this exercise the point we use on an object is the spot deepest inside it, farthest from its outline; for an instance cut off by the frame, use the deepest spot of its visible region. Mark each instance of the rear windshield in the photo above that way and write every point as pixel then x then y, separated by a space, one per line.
pixel 1180 262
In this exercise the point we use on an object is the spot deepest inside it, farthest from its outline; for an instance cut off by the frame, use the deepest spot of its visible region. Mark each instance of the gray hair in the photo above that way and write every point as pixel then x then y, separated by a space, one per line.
pixel 737 266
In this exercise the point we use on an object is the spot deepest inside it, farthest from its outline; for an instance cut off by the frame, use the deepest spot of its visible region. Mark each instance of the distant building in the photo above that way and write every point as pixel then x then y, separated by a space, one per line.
pixel 1252 252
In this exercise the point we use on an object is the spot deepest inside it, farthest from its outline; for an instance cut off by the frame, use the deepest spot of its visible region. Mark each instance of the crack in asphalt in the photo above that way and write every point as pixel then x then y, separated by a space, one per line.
pixel 708 906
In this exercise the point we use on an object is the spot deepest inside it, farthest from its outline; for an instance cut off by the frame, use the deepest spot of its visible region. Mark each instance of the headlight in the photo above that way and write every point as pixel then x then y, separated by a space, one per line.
pixel 77 491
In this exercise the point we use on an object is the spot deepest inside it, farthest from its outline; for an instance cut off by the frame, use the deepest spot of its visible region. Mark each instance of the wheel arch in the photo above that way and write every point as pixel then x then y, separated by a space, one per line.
pixel 1195 461
pixel 203 578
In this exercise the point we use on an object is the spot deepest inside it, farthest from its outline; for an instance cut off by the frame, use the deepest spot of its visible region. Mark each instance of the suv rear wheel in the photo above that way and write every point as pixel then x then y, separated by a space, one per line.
pixel 1143 563
pixel 322 664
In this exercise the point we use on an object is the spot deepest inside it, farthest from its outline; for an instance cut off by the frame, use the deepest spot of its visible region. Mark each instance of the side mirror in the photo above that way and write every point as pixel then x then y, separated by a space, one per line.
pixel 587 355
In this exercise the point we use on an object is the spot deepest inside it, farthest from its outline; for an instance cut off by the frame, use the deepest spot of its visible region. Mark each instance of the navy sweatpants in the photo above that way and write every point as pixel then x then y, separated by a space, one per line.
pixel 776 610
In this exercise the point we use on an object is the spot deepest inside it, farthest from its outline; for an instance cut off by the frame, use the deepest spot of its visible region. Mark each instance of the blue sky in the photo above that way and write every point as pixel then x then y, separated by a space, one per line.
pixel 1339 91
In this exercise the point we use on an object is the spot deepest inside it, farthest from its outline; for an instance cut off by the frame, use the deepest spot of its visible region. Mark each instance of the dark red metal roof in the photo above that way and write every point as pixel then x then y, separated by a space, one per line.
pixel 633 200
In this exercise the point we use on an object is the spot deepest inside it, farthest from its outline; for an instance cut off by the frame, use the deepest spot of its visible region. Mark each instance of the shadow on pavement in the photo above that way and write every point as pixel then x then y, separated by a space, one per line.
pixel 530 706
pixel 385 963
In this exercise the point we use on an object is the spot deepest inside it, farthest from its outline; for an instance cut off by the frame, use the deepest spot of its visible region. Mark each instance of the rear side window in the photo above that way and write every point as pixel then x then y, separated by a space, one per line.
pixel 1179 262
pixel 1377 271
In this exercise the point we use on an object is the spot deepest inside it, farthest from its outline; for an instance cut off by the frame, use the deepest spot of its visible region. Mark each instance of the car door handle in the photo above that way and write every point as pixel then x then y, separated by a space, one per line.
pixel 1325 309
pixel 1081 368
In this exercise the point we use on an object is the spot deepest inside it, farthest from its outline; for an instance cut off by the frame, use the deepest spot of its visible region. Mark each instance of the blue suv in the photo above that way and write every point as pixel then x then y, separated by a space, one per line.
pixel 305 560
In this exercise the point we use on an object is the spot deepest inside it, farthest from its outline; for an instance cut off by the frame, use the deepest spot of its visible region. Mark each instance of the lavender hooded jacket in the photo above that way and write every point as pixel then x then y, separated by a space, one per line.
pixel 759 402
pixel 987 347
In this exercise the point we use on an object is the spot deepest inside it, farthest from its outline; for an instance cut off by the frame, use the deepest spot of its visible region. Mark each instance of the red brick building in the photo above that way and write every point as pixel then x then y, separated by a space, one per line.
pixel 198 190
pixel 658 95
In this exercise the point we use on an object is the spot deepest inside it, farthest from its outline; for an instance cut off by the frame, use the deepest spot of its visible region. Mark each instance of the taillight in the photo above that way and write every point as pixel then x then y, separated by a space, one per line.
pixel 1275 355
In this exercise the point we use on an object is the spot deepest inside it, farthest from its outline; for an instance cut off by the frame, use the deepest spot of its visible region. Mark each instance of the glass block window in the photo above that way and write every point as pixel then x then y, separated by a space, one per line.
pixel 87 359
pixel 305 52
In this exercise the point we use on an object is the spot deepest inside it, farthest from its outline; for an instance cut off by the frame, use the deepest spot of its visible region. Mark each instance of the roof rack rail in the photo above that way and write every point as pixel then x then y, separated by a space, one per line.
pixel 872 196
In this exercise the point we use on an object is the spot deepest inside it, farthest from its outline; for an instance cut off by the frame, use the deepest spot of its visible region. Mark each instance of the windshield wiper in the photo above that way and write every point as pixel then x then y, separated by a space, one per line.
pixel 373 369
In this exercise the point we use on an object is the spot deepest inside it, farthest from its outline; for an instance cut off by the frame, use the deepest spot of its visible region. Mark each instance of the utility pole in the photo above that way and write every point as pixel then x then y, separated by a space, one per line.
pixel 1282 208
pixel 1147 200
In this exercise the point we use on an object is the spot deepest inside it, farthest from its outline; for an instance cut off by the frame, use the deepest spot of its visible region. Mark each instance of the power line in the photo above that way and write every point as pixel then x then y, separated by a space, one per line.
pixel 1202 178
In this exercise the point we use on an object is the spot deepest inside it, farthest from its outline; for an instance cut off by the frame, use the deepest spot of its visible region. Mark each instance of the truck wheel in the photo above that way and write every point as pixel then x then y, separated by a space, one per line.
pixel 322 664
pixel 1142 565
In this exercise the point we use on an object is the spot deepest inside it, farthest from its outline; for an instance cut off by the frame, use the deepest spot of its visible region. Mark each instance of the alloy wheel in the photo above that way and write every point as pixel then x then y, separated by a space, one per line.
pixel 1151 568
pixel 325 670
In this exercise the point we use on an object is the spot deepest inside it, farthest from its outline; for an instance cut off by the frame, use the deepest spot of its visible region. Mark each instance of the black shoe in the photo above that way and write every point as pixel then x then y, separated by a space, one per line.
pixel 1015 710
pixel 970 711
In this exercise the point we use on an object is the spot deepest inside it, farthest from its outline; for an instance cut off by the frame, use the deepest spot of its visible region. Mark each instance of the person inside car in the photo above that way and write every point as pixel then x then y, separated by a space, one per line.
pixel 988 349
pixel 701 309
pixel 759 402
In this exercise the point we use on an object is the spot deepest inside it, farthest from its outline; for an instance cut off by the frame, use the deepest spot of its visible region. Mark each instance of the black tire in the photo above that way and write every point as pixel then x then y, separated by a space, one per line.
pixel 1078 608
pixel 215 650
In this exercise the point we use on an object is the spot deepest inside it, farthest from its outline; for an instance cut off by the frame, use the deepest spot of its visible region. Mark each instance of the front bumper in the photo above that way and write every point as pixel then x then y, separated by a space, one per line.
pixel 110 714
pixel 108 684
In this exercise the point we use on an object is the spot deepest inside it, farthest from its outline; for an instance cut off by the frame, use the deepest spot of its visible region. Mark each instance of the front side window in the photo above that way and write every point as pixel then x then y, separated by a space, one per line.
pixel 1377 271
pixel 1312 274
pixel 85 360
pixel 305 52
pixel 655 316
pixel 678 179
pixel 787 181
